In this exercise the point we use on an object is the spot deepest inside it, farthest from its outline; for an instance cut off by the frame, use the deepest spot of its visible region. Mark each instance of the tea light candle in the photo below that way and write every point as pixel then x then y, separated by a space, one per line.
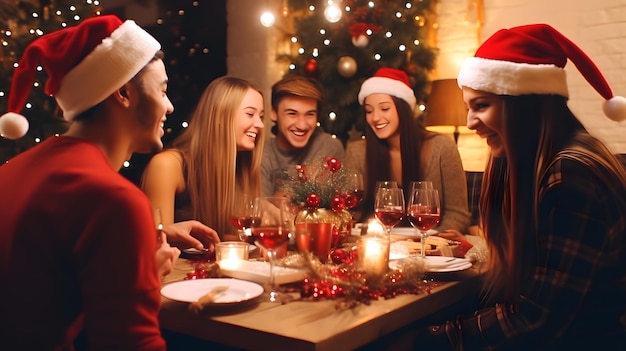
pixel 373 255
pixel 229 254
pixel 375 228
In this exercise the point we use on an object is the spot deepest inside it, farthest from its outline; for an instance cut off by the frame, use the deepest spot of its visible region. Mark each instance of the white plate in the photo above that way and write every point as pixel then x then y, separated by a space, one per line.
pixel 410 231
pixel 194 251
pixel 239 291
pixel 402 231
pixel 259 271
pixel 436 264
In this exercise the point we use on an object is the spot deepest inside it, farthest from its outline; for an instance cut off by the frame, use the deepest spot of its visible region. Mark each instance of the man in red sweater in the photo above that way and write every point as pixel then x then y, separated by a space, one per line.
pixel 77 240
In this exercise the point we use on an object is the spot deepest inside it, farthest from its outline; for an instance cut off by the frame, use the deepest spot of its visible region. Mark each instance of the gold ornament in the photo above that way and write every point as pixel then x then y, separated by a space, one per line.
pixel 346 66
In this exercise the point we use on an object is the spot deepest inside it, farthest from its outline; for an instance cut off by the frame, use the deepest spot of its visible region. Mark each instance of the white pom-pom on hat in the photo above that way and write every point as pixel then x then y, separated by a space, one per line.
pixel 13 125
pixel 615 108
pixel 104 54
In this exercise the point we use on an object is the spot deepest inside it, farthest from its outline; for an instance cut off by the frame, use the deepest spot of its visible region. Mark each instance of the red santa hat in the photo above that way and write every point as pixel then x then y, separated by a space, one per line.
pixel 531 59
pixel 84 63
pixel 388 81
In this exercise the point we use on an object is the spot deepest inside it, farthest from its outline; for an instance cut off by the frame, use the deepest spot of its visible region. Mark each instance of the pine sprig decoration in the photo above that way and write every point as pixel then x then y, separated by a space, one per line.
pixel 397 40
pixel 324 180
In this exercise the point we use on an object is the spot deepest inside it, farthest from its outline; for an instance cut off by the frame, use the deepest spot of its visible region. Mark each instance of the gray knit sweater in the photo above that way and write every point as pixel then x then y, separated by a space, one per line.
pixel 444 169
pixel 275 160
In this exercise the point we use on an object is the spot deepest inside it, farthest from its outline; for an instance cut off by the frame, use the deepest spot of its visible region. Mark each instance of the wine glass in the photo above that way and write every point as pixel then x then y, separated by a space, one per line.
pixel 421 184
pixel 423 211
pixel 386 184
pixel 242 217
pixel 158 224
pixel 389 207
pixel 271 227
pixel 356 188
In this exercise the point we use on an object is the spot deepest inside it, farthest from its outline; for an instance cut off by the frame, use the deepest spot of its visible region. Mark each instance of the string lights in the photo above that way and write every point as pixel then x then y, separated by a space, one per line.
pixel 21 22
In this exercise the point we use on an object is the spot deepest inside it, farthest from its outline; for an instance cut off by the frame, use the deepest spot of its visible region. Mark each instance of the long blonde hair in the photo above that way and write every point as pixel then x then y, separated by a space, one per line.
pixel 215 172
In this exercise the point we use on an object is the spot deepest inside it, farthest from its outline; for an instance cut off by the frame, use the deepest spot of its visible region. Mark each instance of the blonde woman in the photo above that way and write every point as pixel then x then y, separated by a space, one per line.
pixel 215 160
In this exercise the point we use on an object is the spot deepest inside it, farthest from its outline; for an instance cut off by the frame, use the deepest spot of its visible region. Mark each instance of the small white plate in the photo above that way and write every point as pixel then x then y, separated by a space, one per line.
pixel 194 251
pixel 239 291
pixel 412 232
pixel 401 231
pixel 435 264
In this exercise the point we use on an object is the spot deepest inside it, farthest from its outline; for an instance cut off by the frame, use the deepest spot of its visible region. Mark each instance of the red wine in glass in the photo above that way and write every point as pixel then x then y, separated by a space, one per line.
pixel 358 194
pixel 389 207
pixel 271 227
pixel 270 237
pixel 389 218
pixel 241 222
pixel 424 222
pixel 423 211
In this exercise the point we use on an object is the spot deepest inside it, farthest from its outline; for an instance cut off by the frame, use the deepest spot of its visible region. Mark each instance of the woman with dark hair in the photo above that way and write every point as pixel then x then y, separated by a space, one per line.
pixel 397 147
pixel 552 206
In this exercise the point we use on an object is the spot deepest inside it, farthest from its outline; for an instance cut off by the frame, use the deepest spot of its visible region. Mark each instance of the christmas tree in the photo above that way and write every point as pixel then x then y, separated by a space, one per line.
pixel 21 22
pixel 342 43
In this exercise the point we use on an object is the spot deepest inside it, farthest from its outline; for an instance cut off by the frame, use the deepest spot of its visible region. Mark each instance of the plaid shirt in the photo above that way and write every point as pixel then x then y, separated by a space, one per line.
pixel 576 293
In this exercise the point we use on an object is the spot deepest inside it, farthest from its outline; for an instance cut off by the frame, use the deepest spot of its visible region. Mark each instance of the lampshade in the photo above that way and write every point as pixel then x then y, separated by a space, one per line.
pixel 445 105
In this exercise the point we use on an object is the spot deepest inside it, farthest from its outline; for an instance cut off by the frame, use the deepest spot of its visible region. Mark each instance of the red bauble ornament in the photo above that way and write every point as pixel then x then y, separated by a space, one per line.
pixel 301 172
pixel 351 200
pixel 310 67
pixel 333 164
pixel 313 200
pixel 338 256
pixel 337 203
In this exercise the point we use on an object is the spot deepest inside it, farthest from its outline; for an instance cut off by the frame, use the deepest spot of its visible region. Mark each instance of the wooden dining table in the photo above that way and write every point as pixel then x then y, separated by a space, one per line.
pixel 319 324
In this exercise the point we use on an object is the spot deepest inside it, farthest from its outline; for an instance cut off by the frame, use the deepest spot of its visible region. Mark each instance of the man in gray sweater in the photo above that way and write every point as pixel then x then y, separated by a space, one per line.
pixel 298 139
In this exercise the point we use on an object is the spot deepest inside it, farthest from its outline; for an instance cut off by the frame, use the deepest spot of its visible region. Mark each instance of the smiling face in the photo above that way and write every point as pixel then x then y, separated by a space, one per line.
pixel 486 118
pixel 152 107
pixel 381 115
pixel 249 120
pixel 296 120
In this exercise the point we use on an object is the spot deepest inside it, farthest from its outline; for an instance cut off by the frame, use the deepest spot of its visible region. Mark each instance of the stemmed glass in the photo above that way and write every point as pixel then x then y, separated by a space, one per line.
pixel 423 211
pixel 389 207
pixel 421 184
pixel 386 184
pixel 242 218
pixel 158 224
pixel 271 227
pixel 355 187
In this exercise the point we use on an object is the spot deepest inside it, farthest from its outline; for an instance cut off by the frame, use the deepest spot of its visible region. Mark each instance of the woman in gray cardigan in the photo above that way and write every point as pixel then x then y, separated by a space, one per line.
pixel 398 147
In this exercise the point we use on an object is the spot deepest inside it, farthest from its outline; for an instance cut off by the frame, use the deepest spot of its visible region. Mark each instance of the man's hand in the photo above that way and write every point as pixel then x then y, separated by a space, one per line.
pixel 166 256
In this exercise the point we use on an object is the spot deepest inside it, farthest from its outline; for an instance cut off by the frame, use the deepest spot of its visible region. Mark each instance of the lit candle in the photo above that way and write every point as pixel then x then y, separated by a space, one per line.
pixel 373 255
pixel 229 254
pixel 375 228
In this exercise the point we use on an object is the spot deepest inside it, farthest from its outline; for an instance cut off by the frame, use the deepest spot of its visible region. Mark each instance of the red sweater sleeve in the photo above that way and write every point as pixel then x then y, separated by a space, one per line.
pixel 117 268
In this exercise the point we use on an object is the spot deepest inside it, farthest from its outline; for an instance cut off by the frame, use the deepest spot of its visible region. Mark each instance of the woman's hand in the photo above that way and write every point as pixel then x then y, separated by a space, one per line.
pixel 166 256
pixel 191 234
pixel 452 234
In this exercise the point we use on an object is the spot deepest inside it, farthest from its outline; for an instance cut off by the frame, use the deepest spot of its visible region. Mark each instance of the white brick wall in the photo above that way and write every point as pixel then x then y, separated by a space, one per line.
pixel 598 27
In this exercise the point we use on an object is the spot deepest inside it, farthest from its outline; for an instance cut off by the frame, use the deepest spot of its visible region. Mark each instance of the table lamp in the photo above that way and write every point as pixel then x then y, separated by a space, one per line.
pixel 445 106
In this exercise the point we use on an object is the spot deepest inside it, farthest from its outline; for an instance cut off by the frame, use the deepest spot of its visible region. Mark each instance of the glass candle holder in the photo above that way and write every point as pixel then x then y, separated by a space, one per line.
pixel 373 255
pixel 229 254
